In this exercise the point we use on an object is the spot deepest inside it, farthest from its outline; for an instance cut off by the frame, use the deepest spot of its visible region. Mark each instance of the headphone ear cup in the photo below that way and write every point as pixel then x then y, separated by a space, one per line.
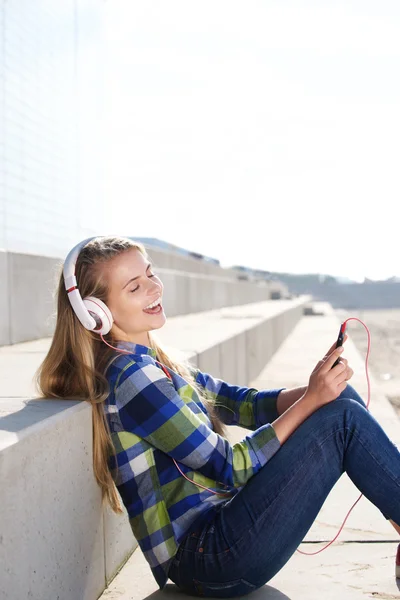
pixel 101 314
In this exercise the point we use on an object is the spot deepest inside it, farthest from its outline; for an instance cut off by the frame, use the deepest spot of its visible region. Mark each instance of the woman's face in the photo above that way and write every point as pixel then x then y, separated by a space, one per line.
pixel 133 286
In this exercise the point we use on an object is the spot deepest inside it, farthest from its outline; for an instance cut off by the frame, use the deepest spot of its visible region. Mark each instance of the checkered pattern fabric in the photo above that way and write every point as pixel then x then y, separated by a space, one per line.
pixel 154 419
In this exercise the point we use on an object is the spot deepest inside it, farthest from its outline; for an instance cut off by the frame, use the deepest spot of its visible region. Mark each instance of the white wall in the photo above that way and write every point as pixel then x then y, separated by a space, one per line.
pixel 51 146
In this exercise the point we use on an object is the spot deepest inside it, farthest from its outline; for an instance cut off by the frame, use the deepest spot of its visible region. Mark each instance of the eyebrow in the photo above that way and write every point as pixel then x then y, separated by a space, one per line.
pixel 137 277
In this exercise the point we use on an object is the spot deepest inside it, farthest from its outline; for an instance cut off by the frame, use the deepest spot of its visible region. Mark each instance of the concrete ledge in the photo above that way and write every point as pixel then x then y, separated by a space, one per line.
pixel 56 542
pixel 234 343
pixel 52 531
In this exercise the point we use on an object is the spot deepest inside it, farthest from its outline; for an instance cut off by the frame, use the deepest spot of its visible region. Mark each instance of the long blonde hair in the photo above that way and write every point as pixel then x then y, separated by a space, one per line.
pixel 77 360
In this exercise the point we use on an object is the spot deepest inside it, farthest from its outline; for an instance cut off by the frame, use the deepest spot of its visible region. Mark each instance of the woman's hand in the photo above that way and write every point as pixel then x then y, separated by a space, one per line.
pixel 325 383
pixel 350 372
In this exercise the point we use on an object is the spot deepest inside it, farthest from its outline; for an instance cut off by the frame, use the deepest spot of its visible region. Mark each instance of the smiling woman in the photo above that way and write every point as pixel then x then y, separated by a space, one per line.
pixel 218 519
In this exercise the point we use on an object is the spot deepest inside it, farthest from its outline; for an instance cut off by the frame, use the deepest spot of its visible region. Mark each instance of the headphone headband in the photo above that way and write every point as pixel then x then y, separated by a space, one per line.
pixel 70 262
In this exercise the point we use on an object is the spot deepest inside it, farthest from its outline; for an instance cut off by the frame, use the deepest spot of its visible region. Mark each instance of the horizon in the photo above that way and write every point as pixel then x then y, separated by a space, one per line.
pixel 341 278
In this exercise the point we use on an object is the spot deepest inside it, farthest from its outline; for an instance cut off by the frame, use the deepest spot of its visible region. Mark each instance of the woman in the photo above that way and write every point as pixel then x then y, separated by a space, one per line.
pixel 218 519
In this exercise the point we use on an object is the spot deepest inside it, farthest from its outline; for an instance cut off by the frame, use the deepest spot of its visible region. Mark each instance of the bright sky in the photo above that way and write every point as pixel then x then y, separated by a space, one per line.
pixel 264 133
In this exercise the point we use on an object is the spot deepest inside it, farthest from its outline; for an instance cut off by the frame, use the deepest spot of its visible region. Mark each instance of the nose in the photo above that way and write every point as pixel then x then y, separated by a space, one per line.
pixel 156 288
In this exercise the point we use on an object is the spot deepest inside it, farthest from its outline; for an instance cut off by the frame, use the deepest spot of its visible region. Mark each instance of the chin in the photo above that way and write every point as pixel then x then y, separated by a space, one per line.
pixel 162 320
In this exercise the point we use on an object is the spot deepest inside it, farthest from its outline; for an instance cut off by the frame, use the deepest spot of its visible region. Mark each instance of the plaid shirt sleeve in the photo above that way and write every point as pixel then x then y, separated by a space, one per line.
pixel 150 407
pixel 237 405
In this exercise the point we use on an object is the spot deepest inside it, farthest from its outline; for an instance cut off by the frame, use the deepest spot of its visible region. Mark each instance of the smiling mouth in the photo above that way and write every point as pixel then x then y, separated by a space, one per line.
pixel 155 310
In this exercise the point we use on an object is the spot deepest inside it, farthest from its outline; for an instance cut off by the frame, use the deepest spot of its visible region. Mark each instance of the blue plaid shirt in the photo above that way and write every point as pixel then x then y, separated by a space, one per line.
pixel 153 419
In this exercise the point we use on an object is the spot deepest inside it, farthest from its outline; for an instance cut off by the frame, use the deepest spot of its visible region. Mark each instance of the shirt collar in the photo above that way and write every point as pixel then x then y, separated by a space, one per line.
pixel 136 348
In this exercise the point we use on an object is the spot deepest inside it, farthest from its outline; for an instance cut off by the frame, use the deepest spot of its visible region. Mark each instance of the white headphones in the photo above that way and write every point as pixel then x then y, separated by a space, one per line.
pixel 92 312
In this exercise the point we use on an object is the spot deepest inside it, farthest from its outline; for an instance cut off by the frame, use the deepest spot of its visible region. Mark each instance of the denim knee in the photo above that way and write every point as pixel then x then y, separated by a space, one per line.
pixel 350 392
pixel 346 407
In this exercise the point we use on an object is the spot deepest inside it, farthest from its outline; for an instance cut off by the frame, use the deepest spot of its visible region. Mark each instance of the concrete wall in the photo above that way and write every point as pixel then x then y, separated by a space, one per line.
pixel 239 356
pixel 370 295
pixel 190 287
pixel 4 300
pixel 49 500
pixel 31 303
pixel 56 541
pixel 171 260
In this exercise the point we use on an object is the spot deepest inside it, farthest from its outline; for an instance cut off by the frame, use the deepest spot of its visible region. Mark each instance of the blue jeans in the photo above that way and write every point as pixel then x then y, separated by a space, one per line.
pixel 255 533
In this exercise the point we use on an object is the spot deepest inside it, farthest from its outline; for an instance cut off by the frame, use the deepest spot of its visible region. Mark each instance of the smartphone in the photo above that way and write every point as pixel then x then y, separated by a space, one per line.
pixel 339 342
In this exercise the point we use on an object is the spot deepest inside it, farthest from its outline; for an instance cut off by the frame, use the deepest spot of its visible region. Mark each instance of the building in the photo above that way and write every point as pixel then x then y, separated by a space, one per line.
pixel 51 191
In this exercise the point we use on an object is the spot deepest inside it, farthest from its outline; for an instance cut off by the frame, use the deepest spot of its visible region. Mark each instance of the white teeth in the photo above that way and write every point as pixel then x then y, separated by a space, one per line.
pixel 153 304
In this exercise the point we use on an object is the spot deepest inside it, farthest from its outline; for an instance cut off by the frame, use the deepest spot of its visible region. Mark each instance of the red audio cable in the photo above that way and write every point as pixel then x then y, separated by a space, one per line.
pixel 368 401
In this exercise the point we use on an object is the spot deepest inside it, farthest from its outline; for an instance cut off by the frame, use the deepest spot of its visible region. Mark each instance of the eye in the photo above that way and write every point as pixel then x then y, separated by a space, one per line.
pixel 136 288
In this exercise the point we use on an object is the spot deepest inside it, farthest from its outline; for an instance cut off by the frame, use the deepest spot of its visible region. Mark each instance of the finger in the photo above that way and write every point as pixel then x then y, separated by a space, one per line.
pixel 339 375
pixel 318 366
pixel 331 359
pixel 349 370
